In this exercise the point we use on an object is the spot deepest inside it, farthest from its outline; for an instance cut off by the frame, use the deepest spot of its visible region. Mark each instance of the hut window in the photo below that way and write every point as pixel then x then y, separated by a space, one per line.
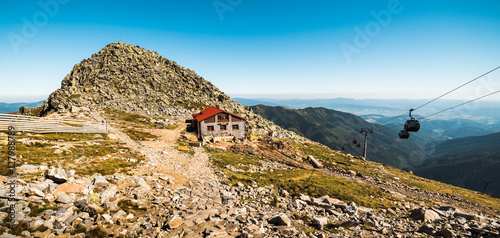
pixel 223 127
pixel 210 128
pixel 223 118
pixel 236 127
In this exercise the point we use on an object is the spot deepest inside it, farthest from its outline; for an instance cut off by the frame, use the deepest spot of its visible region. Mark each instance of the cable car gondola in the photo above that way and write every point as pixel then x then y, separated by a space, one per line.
pixel 412 124
pixel 403 134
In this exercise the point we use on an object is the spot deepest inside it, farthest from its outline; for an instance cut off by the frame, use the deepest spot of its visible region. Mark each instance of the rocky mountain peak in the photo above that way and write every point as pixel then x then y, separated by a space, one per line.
pixel 132 79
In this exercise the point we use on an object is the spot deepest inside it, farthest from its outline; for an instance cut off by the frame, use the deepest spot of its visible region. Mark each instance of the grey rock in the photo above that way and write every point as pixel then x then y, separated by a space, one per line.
pixel 9 236
pixel 64 198
pixel 281 220
pixel 37 223
pixel 26 233
pixel 447 233
pixel 467 216
pixel 304 198
pixel 349 208
pixel 60 211
pixel 40 186
pixel 58 225
pixel 320 221
pixel 424 215
pixel 286 230
pixel 70 219
pixel 99 181
pixel 427 229
pixel 449 211
pixel 57 175
pixel 283 193
pixel 107 218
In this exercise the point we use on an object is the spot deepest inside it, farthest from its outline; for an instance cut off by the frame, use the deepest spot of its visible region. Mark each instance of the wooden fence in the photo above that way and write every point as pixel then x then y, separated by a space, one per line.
pixel 50 125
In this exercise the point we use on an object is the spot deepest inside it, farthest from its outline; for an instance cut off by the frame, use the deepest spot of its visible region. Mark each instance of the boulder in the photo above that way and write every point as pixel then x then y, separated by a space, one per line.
pixel 315 162
pixel 283 193
pixel 64 198
pixel 99 181
pixel 109 193
pixel 304 198
pixel 447 233
pixel 427 229
pixel 174 222
pixel 281 220
pixel 36 192
pixel 70 188
pixel 425 215
pixel 57 175
pixel 320 221
pixel 287 231
pixel 349 208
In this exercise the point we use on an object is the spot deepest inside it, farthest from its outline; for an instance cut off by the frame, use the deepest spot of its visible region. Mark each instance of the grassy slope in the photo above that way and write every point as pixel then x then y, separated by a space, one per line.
pixel 317 184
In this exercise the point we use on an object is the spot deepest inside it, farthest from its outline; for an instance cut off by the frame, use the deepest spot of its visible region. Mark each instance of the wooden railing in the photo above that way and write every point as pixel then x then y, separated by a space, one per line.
pixel 50 125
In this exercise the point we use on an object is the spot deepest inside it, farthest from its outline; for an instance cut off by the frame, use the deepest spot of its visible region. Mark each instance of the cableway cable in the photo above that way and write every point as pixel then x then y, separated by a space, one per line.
pixel 482 75
pixel 425 104
pixel 461 104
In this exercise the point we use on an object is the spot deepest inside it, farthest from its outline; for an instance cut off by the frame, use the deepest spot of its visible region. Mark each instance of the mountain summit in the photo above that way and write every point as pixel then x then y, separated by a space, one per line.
pixel 132 79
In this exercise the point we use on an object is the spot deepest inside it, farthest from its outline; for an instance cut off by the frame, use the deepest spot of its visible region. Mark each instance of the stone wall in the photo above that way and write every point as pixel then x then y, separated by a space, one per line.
pixel 240 133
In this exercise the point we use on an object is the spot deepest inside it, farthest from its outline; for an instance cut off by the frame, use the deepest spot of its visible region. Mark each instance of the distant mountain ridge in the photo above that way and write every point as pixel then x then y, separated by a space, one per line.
pixel 466 162
pixel 13 107
pixel 335 129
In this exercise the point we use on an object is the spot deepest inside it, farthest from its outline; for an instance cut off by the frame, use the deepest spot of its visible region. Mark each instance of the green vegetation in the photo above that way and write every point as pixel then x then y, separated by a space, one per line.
pixel 37 210
pixel 18 228
pixel 305 218
pixel 79 229
pixel 223 158
pixel 317 184
pixel 108 167
pixel 139 135
pixel 134 120
pixel 96 233
pixel 127 206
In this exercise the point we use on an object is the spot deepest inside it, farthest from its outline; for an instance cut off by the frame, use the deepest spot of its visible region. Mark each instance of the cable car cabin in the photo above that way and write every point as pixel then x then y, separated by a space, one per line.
pixel 412 125
pixel 403 134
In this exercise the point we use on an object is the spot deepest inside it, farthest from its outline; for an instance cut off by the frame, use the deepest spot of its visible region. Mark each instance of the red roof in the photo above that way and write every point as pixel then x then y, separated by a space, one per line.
pixel 211 111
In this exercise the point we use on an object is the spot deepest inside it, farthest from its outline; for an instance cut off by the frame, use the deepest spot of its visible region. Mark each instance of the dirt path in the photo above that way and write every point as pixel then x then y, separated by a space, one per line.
pixel 163 157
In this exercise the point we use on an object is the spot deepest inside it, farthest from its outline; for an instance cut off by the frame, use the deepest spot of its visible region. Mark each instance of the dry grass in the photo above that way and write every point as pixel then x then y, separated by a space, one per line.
pixel 84 153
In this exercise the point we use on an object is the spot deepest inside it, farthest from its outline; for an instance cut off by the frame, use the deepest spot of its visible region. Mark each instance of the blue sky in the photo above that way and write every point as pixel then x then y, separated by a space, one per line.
pixel 283 49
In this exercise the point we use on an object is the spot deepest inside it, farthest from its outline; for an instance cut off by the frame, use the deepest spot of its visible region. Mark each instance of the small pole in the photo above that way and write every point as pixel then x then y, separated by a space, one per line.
pixel 106 127
pixel 485 185
pixel 366 131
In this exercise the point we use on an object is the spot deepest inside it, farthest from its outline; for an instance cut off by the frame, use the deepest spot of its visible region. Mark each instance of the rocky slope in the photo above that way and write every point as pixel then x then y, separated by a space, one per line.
pixel 133 79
